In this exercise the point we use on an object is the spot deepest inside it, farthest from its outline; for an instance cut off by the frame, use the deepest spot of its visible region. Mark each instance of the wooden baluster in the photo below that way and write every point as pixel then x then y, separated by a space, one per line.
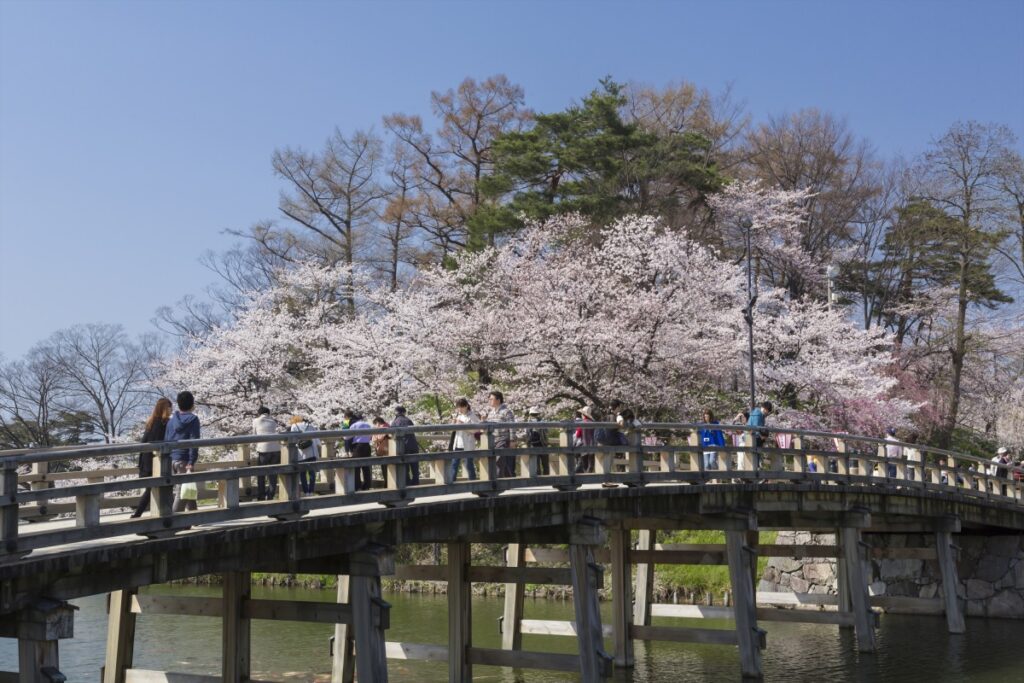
pixel 397 472
pixel 563 463
pixel 487 466
pixel 8 508
pixel 247 461
pixel 799 458
pixel 842 463
pixel 746 457
pixel 695 456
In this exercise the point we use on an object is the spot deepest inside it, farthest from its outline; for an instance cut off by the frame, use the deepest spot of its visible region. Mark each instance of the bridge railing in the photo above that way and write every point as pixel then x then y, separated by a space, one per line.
pixel 652 454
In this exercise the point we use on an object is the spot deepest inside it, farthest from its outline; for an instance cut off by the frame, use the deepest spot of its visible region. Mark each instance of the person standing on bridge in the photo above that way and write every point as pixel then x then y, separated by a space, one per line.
pixel 156 428
pixel 307 450
pixel 183 426
pixel 361 449
pixel 464 440
pixel 499 412
pixel 710 441
pixel 892 452
pixel 267 452
pixel 412 446
pixel 759 418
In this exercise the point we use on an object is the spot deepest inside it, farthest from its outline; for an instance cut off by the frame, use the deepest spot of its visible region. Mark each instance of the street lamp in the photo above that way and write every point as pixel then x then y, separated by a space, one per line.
pixel 748 312
pixel 831 273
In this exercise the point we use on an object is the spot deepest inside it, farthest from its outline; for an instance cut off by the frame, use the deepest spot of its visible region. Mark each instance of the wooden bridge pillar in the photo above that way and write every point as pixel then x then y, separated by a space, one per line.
pixel 235 630
pixel 460 631
pixel 38 629
pixel 947 565
pixel 343 663
pixel 512 621
pixel 742 561
pixel 587 579
pixel 371 614
pixel 857 588
pixel 842 582
pixel 644 580
pixel 622 597
pixel 120 636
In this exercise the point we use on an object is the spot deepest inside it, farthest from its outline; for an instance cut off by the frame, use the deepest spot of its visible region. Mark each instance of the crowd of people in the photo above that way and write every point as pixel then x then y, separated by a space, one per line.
pixel 168 425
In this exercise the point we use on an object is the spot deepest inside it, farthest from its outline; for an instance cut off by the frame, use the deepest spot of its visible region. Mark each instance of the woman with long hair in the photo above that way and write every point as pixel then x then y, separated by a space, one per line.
pixel 156 426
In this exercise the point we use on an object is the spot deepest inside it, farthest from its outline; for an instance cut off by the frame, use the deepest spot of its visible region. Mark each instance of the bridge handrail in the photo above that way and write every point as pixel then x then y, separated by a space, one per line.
pixel 679 462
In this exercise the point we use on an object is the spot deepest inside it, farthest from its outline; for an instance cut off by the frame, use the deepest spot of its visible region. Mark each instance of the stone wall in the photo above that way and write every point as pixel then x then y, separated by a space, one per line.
pixel 990 571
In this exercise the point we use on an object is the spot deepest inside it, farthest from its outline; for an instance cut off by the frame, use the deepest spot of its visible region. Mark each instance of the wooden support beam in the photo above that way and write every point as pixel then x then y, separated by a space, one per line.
pixel 843 583
pixel 622 597
pixel 460 630
pixel 748 636
pixel 554 627
pixel 39 629
pixel 120 636
pixel 585 584
pixel 343 661
pixel 418 651
pixel 8 508
pixel 235 629
pixel 511 631
pixel 950 582
pixel 371 617
pixel 857 585
pixel 644 581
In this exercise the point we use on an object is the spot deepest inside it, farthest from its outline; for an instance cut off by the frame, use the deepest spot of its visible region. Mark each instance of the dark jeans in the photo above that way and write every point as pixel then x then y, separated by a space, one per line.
pixel 270 458
pixel 363 474
pixel 470 466
pixel 585 463
pixel 307 479
pixel 145 470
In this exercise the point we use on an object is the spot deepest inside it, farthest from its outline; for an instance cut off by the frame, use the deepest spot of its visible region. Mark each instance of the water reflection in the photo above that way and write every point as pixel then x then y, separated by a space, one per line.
pixel 909 648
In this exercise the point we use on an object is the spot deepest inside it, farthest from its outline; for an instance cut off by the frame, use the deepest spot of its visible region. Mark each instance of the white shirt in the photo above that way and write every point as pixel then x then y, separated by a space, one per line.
pixel 263 425
pixel 463 437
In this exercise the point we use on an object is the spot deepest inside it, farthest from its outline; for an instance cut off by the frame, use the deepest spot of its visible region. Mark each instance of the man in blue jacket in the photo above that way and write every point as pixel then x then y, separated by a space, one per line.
pixel 184 425
pixel 711 440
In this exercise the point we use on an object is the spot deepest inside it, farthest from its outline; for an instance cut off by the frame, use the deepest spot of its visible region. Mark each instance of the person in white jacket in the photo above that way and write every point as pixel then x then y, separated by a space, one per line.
pixel 267 452
pixel 464 440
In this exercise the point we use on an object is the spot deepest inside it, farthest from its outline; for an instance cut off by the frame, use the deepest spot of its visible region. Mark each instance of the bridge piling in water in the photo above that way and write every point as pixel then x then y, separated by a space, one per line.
pixel 857 588
pixel 622 597
pixel 741 557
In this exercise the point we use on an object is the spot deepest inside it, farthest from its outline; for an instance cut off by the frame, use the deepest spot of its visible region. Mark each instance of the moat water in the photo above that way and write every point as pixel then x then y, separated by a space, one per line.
pixel 910 648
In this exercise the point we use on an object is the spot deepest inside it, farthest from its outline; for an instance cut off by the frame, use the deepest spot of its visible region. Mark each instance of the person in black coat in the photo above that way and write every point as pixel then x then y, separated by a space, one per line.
pixel 156 426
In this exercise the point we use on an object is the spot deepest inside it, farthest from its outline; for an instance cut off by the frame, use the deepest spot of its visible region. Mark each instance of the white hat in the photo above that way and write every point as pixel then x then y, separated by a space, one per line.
pixel 1003 450
pixel 533 410
pixel 587 412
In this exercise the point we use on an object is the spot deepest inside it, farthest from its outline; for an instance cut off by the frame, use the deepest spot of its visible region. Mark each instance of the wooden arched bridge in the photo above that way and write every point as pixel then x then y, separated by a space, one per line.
pixel 560 526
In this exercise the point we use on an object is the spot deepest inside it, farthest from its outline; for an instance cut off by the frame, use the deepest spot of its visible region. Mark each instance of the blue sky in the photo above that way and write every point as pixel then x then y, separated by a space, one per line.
pixel 132 134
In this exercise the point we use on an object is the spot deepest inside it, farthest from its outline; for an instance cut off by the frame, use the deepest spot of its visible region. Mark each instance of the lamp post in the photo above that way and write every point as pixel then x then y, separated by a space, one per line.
pixel 831 273
pixel 748 312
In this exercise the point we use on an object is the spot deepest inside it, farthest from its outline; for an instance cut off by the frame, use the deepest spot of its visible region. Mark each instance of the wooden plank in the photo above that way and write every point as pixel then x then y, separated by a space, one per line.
pixel 417 651
pixel 676 634
pixel 120 636
pixel 677 557
pixel 692 611
pixel 523 659
pixel 554 627
pixel 538 575
pixel 150 676
pixel 511 633
pixel 950 581
pixel 192 606
pixel 622 597
pixel 908 605
pixel 747 633
pixel 644 581
pixel 299 610
pixel 460 627
pixel 547 555
pixel 235 629
pixel 858 589
pixel 782 598
pixel 805 616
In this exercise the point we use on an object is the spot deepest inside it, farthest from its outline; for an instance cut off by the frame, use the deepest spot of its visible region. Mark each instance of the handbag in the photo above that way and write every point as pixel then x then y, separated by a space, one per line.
pixel 189 491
